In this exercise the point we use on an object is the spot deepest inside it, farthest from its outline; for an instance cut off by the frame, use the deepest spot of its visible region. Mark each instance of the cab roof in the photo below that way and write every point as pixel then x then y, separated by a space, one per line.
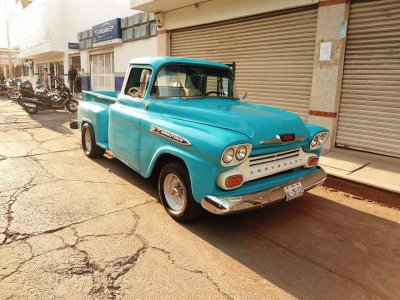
pixel 158 61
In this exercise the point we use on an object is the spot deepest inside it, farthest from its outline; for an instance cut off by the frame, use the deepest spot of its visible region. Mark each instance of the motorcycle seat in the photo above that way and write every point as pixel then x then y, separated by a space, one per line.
pixel 43 97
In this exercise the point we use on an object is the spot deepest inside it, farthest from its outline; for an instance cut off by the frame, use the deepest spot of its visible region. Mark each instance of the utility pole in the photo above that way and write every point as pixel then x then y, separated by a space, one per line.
pixel 10 67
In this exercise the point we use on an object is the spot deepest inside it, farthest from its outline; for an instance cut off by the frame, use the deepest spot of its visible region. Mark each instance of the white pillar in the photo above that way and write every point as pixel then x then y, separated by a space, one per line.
pixel 327 75
pixel 163 44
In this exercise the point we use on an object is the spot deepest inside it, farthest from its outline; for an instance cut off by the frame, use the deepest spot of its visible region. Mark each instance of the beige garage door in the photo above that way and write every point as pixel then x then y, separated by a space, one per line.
pixel 369 115
pixel 273 54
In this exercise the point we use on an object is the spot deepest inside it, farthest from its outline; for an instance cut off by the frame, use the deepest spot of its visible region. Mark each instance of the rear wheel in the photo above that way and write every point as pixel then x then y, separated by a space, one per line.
pixel 176 194
pixel 72 105
pixel 89 142
pixel 31 110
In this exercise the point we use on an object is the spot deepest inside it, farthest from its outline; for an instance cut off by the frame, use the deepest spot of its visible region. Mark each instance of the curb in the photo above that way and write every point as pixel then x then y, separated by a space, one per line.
pixel 364 191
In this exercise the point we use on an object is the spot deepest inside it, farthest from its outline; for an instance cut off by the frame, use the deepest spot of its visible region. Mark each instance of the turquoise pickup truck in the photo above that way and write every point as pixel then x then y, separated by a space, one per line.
pixel 181 121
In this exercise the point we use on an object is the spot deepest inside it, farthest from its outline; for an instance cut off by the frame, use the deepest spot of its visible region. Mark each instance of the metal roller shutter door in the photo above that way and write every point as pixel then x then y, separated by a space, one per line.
pixel 369 114
pixel 273 53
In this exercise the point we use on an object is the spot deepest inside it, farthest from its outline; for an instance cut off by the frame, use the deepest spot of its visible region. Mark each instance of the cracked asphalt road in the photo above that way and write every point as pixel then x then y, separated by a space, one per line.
pixel 75 228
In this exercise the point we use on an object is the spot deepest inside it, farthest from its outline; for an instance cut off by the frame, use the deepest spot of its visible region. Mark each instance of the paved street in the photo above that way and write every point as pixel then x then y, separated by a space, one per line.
pixel 75 228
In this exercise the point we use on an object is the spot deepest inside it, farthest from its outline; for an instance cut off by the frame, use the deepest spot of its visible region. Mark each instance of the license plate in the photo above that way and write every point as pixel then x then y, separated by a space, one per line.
pixel 293 191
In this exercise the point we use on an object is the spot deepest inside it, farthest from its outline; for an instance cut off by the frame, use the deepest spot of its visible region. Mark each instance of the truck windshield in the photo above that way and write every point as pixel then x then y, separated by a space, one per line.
pixel 186 81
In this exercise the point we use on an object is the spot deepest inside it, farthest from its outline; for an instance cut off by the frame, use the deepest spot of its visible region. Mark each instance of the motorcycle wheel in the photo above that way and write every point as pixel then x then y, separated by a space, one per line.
pixel 72 105
pixel 31 110
pixel 21 101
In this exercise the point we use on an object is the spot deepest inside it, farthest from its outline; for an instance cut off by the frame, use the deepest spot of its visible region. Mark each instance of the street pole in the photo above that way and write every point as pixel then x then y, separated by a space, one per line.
pixel 10 68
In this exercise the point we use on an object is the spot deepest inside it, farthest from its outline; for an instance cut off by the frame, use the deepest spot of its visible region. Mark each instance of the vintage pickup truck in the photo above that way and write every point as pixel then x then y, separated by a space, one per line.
pixel 181 121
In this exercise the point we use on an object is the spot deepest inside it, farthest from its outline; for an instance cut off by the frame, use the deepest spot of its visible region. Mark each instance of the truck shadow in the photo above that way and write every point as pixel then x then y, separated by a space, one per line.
pixel 313 247
pixel 118 168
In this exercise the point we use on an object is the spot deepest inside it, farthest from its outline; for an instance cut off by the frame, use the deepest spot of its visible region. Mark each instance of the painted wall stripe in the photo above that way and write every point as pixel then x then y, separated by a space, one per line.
pixel 326 114
pixel 332 2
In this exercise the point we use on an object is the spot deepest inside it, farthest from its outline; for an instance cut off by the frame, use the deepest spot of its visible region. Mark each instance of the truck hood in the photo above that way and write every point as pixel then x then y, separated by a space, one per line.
pixel 257 122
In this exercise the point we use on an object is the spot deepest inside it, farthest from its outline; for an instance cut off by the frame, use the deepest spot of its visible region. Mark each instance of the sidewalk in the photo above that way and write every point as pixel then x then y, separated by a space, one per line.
pixel 369 169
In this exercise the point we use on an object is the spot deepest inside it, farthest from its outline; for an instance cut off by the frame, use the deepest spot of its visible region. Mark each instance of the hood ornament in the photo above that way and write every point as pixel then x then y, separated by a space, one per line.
pixel 284 138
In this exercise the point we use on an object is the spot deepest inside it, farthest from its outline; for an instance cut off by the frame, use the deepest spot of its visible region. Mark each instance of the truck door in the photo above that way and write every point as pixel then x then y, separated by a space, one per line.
pixel 126 116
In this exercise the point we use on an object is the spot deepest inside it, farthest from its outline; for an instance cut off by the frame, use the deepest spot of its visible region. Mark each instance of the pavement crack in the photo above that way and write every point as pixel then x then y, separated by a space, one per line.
pixel 21 264
pixel 9 235
pixel 107 280
pixel 39 154
pixel 200 272
pixel 106 277
pixel 24 236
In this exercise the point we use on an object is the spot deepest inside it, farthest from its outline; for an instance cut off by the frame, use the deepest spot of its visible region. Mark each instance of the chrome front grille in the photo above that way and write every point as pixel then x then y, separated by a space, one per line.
pixel 271 157
pixel 264 165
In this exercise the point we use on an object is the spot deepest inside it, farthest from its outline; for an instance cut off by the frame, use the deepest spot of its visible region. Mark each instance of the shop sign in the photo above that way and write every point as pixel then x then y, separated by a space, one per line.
pixel 73 46
pixel 107 33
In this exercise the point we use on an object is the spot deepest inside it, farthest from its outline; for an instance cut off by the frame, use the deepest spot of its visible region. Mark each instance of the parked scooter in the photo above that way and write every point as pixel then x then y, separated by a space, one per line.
pixel 42 99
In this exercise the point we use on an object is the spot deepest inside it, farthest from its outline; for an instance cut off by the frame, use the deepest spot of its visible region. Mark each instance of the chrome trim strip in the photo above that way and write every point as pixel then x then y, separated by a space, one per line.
pixel 231 205
pixel 277 139
pixel 170 135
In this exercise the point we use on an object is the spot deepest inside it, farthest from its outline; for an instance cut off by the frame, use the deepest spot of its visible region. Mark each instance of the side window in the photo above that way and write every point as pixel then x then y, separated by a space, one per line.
pixel 138 82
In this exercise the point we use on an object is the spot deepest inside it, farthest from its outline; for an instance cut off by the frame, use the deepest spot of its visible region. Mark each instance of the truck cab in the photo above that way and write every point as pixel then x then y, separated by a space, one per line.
pixel 181 121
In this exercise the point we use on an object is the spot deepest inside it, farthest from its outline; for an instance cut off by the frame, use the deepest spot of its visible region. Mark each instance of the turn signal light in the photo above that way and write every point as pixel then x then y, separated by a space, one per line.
pixel 234 181
pixel 312 161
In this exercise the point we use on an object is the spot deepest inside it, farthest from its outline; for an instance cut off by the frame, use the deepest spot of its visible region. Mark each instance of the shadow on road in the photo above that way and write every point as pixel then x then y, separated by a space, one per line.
pixel 123 171
pixel 55 119
pixel 311 247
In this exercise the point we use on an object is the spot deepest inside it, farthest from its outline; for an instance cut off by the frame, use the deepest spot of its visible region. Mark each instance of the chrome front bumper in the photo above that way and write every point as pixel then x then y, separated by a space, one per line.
pixel 231 205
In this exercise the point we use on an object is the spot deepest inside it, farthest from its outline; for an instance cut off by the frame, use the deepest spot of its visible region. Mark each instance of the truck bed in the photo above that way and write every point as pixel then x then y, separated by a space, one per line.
pixel 105 97
pixel 94 110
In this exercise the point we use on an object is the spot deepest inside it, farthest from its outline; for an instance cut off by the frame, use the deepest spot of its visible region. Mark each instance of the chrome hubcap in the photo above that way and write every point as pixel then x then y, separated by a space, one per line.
pixel 175 192
pixel 88 141
pixel 73 105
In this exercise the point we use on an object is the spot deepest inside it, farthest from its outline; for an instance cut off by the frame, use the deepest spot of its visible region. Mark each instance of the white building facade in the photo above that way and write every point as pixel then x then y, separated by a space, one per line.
pixel 107 47
pixel 334 62
pixel 49 38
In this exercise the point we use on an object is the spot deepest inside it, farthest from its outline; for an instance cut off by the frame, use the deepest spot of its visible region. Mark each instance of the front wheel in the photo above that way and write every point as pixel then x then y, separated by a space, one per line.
pixel 21 101
pixel 89 142
pixel 176 194
pixel 72 105
pixel 31 110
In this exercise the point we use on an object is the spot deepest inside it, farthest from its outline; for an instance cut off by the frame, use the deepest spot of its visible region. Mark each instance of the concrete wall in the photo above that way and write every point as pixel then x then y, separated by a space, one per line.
pixel 126 52
pixel 220 10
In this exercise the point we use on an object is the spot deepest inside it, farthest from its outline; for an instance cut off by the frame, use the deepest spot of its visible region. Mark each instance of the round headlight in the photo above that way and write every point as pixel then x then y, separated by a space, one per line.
pixel 314 142
pixel 228 155
pixel 241 153
pixel 318 140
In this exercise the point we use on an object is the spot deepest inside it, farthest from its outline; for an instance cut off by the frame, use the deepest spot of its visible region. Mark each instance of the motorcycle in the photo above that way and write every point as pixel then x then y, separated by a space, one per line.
pixel 3 89
pixel 42 99
pixel 12 88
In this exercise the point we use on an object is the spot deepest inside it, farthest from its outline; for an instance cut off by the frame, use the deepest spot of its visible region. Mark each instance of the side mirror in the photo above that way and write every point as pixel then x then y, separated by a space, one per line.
pixel 244 97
